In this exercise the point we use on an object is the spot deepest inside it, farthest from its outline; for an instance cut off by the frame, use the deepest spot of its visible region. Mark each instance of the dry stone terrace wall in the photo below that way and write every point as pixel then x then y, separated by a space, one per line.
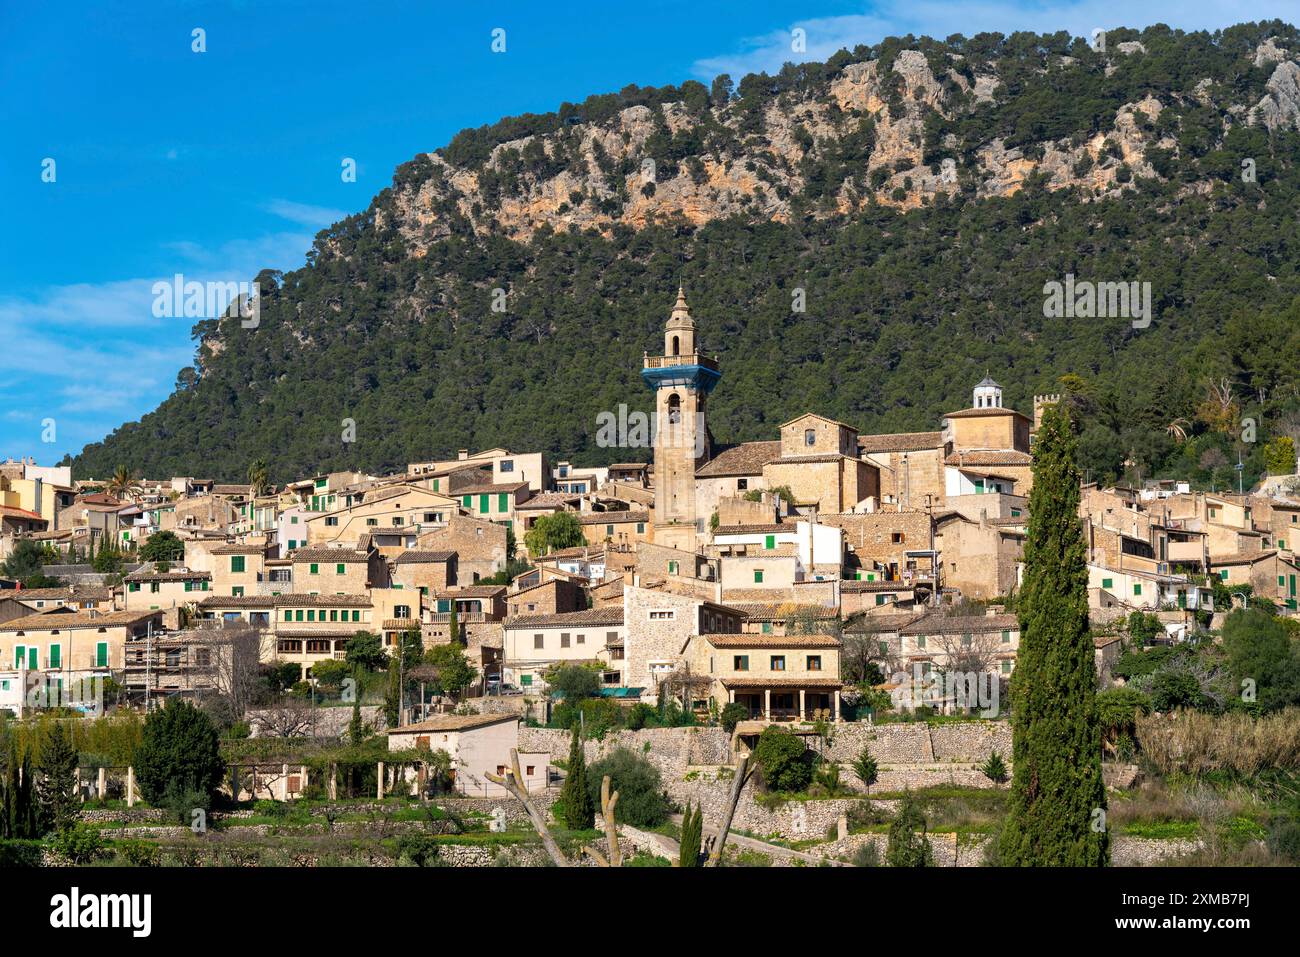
pixel 677 750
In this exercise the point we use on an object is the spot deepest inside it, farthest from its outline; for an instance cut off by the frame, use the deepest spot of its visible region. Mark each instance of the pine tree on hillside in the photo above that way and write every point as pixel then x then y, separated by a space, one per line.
pixel 18 812
pixel 56 784
pixel 1057 802
pixel 579 813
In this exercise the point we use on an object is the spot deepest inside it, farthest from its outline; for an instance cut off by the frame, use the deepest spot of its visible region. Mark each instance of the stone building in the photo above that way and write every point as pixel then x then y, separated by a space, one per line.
pixel 682 379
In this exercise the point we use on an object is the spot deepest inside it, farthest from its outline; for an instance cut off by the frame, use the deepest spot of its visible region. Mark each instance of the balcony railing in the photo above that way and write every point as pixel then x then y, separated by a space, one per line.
pixel 693 359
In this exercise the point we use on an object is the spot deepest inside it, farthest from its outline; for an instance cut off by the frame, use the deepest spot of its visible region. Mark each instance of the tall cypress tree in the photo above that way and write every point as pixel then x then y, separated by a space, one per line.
pixel 692 841
pixel 579 813
pixel 56 784
pixel 1057 803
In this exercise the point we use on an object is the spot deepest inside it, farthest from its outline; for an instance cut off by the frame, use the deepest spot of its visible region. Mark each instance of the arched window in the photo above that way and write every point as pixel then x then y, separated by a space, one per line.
pixel 677 348
pixel 809 436
pixel 674 405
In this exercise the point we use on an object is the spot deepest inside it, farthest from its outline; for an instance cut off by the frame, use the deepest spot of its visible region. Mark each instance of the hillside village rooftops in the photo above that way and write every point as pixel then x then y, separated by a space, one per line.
pixel 12 511
pixel 77 619
pixel 762 529
pixel 488 488
pixel 750 640
pixel 556 500
pixel 235 549
pixel 856 587
pixel 592 617
pixel 747 458
pixel 780 611
pixel 281 601
pixel 176 576
pixel 612 518
pixel 988 411
pixel 1242 558
pixel 900 442
pixel 985 457
pixel 452 722
pixel 414 556
pixel 321 553
pixel 68 593
pixel 472 591
pixel 960 625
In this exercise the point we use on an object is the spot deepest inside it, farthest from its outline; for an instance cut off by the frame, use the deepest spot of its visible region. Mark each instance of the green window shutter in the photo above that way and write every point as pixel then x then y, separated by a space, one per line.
pixel 1006 636
pixel 189 585
pixel 237 592
pixel 298 615
pixel 356 615
pixel 979 486
pixel 236 563
pixel 205 585
pixel 315 569
pixel 640 528
pixel 771 542
pixel 1137 588
pixel 758 576
pixel 467 500
pixel 880 599
pixel 920 641
pixel 1281 543
pixel 1223 575
pixel 135 586
pixel 1281 580
pixel 18 656
pixel 56 656
pixel 311 614
pixel 871 577
pixel 609 529
pixel 444 606
pixel 1108 583
pixel 334 614
pixel 101 654
pixel 767 627
pixel 503 502
pixel 340 569
pixel 288 614
pixel 435 484
pixel 483 504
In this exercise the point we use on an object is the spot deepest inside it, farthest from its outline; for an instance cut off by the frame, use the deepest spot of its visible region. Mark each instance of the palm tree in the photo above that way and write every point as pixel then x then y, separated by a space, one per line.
pixel 1177 429
pixel 124 483
pixel 257 478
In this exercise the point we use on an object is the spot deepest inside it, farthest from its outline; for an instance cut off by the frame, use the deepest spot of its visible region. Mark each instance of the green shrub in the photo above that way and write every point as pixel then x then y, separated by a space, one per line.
pixel 784 763
pixel 867 855
pixel 80 844
pixel 995 769
pixel 135 853
pixel 732 714
pixel 1284 839
pixel 908 846
pixel 180 752
pixel 641 798
pixel 15 852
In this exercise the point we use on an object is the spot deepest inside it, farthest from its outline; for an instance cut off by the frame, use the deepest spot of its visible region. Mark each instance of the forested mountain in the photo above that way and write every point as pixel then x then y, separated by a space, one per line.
pixel 920 194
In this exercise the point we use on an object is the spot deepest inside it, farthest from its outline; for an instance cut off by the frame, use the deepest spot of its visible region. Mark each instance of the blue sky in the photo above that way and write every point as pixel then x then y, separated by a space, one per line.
pixel 218 164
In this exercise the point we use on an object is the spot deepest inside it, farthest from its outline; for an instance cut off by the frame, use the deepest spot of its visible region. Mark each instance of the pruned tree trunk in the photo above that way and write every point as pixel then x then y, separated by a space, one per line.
pixel 510 781
pixel 737 785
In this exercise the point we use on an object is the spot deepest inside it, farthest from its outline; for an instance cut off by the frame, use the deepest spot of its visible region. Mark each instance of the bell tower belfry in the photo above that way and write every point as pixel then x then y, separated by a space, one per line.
pixel 682 379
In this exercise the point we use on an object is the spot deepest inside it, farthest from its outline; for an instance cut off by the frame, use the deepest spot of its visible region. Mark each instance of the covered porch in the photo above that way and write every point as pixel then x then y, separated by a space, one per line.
pixel 783 699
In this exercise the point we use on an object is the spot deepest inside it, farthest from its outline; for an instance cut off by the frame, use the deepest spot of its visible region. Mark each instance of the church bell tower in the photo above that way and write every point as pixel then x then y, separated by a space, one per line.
pixel 682 379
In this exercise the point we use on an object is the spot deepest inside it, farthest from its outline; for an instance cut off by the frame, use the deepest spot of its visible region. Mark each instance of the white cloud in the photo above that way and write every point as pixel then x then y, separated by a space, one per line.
pixel 304 214
pixel 768 52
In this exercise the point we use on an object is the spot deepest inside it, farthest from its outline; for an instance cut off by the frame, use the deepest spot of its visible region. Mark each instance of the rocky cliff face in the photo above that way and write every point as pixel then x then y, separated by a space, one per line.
pixel 873 119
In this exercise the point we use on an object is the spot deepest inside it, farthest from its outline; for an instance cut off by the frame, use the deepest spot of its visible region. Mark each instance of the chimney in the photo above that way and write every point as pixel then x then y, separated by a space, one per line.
pixel 462 454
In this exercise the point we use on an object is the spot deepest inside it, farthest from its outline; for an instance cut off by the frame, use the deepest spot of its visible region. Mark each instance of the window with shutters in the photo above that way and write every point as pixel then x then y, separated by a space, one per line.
pixel 778 662
pixel 101 654
pixel 740 663
pixel 814 662
pixel 539 641
pixel 236 563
